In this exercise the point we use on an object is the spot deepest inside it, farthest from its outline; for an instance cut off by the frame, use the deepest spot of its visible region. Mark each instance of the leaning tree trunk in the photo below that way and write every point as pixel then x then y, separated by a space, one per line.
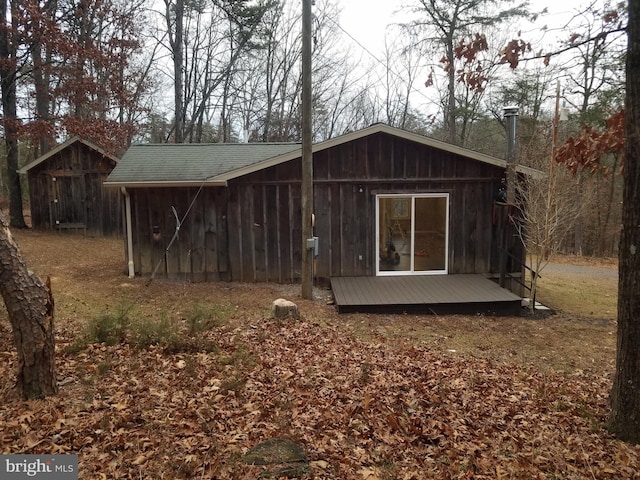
pixel 30 307
pixel 624 421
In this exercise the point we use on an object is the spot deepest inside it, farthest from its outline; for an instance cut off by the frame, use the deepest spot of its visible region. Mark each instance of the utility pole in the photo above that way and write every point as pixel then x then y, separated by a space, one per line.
pixel 307 160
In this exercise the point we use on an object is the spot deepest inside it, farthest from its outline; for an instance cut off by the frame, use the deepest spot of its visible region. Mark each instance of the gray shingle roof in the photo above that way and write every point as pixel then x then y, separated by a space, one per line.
pixel 170 164
pixel 190 162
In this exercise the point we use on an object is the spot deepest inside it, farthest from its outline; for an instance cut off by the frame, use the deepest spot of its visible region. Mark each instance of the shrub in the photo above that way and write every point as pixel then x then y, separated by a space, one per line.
pixel 118 327
pixel 201 318
pixel 147 331
pixel 109 328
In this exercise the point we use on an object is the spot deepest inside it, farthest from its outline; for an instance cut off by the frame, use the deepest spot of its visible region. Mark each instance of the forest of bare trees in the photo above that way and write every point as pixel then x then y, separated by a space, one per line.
pixel 117 72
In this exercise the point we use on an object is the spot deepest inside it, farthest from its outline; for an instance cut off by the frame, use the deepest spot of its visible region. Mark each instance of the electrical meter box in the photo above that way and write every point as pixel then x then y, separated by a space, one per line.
pixel 312 244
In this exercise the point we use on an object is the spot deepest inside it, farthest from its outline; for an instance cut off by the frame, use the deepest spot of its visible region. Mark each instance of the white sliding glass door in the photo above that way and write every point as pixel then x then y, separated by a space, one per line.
pixel 412 233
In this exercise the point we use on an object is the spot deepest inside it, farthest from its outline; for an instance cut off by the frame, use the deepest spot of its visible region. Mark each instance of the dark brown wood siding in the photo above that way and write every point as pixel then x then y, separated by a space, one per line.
pixel 251 230
pixel 197 250
pixel 66 192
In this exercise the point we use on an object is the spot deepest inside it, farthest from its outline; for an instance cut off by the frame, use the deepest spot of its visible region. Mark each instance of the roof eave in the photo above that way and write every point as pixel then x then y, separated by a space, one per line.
pixel 167 183
pixel 531 172
pixel 58 148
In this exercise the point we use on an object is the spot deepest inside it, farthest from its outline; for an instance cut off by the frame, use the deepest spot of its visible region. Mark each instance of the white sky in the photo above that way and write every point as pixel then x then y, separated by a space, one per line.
pixel 366 20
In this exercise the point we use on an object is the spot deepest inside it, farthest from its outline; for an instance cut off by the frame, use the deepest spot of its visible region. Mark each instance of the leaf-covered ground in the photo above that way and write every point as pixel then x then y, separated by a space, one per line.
pixel 365 398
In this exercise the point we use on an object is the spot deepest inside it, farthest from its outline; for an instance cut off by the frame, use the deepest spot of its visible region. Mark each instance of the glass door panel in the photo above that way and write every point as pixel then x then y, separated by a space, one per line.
pixel 394 233
pixel 430 233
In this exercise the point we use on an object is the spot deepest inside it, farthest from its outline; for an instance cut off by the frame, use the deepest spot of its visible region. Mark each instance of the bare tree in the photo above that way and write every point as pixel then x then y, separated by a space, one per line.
pixel 592 68
pixel 42 55
pixel 594 85
pixel 443 24
pixel 403 64
pixel 546 214
pixel 206 42
pixel 281 74
pixel 174 16
pixel 268 85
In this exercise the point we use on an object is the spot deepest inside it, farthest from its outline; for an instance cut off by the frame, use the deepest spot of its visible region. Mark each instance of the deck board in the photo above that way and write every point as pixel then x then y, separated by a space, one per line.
pixel 441 294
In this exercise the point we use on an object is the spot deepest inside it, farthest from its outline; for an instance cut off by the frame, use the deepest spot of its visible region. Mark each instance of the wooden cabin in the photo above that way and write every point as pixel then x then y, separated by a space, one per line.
pixel 387 203
pixel 67 193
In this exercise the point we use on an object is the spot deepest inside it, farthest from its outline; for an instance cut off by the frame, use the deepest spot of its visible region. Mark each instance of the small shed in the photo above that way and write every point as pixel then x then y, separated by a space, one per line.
pixel 67 193
pixel 387 203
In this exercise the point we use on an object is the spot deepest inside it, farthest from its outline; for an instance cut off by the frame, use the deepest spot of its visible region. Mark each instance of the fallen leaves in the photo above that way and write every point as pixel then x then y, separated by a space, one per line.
pixel 362 409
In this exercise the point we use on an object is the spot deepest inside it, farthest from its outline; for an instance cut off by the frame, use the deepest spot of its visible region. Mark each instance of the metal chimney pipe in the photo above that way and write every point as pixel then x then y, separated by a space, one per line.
pixel 511 117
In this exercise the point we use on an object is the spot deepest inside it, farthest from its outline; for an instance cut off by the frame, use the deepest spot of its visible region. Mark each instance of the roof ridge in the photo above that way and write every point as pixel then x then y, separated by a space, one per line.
pixel 212 144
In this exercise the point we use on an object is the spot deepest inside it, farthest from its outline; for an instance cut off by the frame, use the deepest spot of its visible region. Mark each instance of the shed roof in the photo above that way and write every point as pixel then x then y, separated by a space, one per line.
pixel 62 146
pixel 165 164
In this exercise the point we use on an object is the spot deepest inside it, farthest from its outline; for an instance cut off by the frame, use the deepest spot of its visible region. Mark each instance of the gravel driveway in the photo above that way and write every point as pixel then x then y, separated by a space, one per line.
pixel 560 268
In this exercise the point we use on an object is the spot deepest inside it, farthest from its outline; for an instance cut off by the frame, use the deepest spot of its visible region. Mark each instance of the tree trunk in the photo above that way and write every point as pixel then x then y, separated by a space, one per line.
pixel 10 116
pixel 178 66
pixel 579 227
pixel 451 114
pixel 42 93
pixel 30 307
pixel 624 421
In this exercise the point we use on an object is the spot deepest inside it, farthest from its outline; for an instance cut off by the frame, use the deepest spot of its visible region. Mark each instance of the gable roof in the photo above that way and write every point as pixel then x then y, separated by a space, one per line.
pixel 146 165
pixel 61 147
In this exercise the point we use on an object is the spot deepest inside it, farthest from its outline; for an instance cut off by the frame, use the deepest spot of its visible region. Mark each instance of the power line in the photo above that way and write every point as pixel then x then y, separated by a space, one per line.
pixel 412 89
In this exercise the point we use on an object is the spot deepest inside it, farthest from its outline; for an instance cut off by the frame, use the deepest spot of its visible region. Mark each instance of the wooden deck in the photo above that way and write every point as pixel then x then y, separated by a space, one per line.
pixel 437 294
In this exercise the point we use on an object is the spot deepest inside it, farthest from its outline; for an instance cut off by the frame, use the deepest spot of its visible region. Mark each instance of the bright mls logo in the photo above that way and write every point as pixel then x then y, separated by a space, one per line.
pixel 50 467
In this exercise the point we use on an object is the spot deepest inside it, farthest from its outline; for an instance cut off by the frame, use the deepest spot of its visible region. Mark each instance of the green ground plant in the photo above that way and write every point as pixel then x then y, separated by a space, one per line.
pixel 109 327
pixel 202 317
pixel 153 331
pixel 125 325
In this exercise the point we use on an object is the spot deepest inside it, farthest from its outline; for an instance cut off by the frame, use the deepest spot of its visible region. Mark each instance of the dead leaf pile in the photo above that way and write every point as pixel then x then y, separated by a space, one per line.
pixel 362 410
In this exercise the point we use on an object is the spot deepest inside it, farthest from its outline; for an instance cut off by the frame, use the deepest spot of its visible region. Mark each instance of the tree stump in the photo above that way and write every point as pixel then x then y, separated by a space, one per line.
pixel 281 457
pixel 282 308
